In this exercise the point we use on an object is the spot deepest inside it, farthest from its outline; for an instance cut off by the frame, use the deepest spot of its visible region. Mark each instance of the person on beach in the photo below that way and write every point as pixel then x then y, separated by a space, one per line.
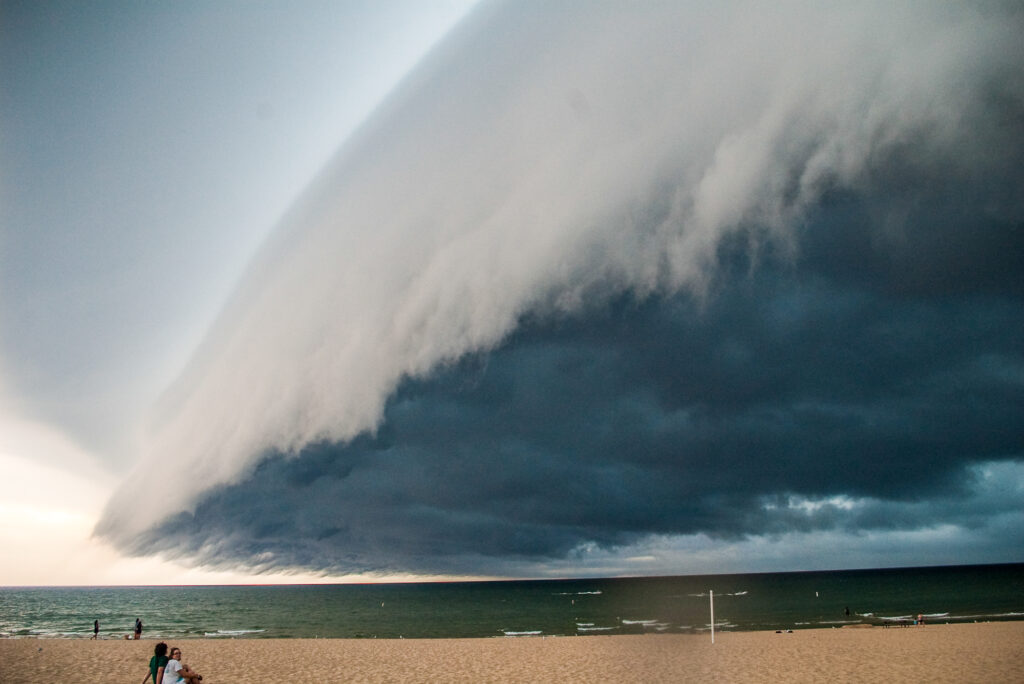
pixel 177 672
pixel 138 628
pixel 157 664
pixel 95 628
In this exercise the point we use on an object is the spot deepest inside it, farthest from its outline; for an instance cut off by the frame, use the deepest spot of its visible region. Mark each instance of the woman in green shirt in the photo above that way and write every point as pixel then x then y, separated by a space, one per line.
pixel 157 664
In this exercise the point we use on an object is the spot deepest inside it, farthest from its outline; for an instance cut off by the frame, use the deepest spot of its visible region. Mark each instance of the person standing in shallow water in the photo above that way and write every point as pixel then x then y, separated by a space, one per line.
pixel 95 628
pixel 138 628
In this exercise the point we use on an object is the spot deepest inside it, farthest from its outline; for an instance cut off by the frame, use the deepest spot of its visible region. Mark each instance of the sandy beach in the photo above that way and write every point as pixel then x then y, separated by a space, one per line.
pixel 988 652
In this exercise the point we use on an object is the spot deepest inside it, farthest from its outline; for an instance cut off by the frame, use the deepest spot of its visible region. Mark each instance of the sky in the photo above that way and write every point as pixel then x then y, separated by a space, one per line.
pixel 334 291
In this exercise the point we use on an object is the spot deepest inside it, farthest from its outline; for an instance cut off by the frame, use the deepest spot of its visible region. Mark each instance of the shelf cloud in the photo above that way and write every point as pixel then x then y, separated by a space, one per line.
pixel 598 274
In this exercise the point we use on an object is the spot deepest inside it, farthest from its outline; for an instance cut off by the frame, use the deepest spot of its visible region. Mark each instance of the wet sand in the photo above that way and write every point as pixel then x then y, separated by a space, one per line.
pixel 987 652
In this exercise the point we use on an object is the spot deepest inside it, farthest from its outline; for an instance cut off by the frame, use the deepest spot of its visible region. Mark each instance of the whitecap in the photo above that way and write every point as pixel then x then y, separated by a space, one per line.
pixel 233 632
pixel 718 625
pixel 840 622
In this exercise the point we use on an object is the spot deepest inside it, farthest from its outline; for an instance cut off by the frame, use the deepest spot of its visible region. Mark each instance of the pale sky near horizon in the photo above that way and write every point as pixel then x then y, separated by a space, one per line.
pixel 147 150
pixel 347 291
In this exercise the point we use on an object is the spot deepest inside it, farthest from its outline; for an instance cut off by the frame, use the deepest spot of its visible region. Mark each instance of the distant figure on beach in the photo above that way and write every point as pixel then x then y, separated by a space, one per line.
pixel 138 628
pixel 847 611
pixel 157 664
pixel 177 672
pixel 95 628
pixel 920 619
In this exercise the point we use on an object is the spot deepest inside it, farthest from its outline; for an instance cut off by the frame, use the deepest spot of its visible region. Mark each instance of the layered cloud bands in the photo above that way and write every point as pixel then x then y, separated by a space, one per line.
pixel 590 276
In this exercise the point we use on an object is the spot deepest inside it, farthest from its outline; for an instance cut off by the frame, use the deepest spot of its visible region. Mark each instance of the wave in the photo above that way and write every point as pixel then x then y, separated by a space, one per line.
pixel 515 634
pixel 981 616
pixel 840 622
pixel 233 632
pixel 943 616
pixel 47 634
pixel 718 625
pixel 660 626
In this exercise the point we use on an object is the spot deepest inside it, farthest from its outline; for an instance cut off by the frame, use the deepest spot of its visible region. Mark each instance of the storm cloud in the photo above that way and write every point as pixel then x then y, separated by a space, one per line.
pixel 590 278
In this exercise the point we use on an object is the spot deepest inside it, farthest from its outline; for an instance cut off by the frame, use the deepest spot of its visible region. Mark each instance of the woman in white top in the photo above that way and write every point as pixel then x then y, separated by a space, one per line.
pixel 176 672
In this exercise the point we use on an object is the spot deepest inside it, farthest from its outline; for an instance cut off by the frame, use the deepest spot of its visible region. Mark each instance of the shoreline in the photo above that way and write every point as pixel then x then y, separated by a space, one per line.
pixel 962 652
pixel 702 633
pixel 250 635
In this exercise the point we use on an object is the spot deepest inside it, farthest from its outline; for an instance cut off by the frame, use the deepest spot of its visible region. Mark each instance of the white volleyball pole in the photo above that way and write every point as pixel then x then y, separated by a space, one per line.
pixel 711 598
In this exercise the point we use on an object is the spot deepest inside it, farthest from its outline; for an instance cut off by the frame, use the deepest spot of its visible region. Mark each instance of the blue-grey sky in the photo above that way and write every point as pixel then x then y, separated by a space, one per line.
pixel 593 289
pixel 146 149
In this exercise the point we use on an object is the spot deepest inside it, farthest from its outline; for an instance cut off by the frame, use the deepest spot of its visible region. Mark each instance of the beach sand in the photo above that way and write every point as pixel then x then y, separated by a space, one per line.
pixel 987 652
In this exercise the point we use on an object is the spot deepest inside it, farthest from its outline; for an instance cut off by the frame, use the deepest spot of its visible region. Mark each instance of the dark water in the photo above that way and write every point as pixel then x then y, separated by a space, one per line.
pixel 548 607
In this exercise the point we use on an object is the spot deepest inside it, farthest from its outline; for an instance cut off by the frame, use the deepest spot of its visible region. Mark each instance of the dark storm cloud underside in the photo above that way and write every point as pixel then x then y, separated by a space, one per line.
pixel 868 366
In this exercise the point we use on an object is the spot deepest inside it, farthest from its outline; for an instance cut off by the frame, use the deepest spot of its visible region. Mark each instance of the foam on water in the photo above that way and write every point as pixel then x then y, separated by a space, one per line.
pixel 841 622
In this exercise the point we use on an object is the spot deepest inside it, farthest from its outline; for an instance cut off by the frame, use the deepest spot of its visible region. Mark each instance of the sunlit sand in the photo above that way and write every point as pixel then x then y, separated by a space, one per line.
pixel 988 652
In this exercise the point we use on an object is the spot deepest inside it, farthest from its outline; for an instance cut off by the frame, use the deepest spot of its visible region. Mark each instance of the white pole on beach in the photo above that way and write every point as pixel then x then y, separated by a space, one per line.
pixel 711 599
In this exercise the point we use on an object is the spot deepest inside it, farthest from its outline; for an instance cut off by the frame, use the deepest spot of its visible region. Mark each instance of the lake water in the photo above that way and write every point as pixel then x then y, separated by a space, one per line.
pixel 792 600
